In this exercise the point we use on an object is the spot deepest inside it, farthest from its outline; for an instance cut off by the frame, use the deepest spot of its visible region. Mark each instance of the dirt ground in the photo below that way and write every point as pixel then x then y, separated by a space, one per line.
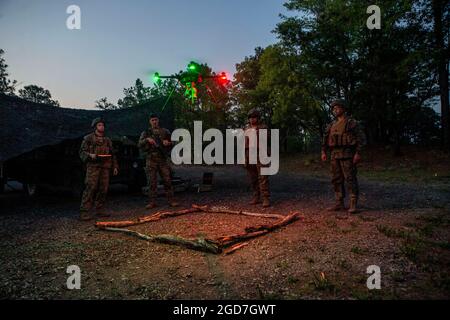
pixel 403 229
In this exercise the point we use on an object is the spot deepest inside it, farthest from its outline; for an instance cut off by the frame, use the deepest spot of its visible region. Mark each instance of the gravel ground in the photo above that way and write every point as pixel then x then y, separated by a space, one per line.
pixel 403 228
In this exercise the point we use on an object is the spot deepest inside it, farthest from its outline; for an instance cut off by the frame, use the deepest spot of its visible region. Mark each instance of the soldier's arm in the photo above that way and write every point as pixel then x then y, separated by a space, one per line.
pixel 167 136
pixel 143 143
pixel 84 150
pixel 325 138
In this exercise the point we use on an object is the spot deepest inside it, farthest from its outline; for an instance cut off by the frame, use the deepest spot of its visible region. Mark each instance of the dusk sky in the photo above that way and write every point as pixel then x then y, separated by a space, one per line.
pixel 121 41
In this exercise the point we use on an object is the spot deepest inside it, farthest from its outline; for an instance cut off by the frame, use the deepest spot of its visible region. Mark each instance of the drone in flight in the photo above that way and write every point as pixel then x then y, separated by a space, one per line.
pixel 190 79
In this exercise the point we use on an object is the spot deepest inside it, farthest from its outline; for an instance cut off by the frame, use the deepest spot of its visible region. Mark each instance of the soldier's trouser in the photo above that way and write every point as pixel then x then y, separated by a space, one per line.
pixel 96 188
pixel 344 171
pixel 259 183
pixel 161 166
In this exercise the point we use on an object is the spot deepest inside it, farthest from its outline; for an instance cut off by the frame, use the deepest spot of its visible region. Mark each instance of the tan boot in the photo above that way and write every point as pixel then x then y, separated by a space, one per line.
pixel 338 206
pixel 173 203
pixel 255 199
pixel 152 204
pixel 266 202
pixel 85 216
pixel 353 204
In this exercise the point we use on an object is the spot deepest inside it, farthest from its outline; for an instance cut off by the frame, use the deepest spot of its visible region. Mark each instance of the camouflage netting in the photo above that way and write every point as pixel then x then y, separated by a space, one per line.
pixel 25 126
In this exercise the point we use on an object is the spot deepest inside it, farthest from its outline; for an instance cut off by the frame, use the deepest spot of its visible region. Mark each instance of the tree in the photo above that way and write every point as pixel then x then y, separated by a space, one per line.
pixel 6 85
pixel 104 104
pixel 244 93
pixel 134 95
pixel 384 75
pixel 441 17
pixel 37 94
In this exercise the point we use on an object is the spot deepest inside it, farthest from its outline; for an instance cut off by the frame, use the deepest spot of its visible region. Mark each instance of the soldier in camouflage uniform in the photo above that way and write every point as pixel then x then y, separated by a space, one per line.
pixel 259 183
pixel 97 153
pixel 155 142
pixel 345 139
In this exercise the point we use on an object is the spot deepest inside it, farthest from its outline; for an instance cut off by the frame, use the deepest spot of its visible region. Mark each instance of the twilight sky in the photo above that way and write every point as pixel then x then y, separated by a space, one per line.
pixel 121 41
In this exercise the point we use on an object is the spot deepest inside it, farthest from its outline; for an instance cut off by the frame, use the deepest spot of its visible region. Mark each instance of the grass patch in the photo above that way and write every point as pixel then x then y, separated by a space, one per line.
pixel 435 220
pixel 268 295
pixel 292 280
pixel 395 233
pixel 322 283
pixel 414 237
pixel 343 264
pixel 283 264
pixel 358 250
pixel 412 249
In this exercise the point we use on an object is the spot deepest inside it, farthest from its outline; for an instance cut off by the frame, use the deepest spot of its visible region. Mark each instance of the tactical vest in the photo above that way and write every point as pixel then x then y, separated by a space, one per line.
pixel 342 134
pixel 159 135
pixel 100 146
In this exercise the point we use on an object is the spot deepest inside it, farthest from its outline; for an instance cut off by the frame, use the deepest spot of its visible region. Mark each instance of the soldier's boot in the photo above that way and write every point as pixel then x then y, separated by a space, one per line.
pixel 266 202
pixel 172 202
pixel 338 206
pixel 152 204
pixel 353 205
pixel 255 199
pixel 85 216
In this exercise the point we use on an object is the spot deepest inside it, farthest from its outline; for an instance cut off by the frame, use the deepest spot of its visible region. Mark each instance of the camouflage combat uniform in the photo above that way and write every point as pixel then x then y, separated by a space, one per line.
pixel 157 162
pixel 97 172
pixel 258 182
pixel 344 138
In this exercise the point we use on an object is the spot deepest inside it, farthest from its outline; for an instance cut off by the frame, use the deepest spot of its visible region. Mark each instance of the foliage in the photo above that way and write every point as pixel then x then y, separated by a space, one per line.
pixel 37 94
pixel 6 85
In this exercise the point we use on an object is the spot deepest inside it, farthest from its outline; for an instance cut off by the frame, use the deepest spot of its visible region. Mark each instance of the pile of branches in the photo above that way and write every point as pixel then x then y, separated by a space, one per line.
pixel 226 244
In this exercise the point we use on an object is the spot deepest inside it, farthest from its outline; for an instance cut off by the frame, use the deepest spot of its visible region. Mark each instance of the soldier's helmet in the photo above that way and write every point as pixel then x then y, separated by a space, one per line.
pixel 253 113
pixel 338 102
pixel 96 121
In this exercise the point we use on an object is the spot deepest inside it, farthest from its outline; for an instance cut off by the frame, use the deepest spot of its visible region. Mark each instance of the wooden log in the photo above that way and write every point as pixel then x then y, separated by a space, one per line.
pixel 235 247
pixel 154 217
pixel 238 212
pixel 199 244
pixel 227 241
pixel 253 232
pixel 270 227
pixel 115 224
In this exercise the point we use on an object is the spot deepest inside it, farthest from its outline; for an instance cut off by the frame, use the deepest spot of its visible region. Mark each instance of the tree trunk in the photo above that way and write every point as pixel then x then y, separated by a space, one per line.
pixel 443 73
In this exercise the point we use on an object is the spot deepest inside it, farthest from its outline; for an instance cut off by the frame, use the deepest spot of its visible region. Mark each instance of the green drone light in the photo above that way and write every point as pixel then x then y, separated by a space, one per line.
pixel 156 77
